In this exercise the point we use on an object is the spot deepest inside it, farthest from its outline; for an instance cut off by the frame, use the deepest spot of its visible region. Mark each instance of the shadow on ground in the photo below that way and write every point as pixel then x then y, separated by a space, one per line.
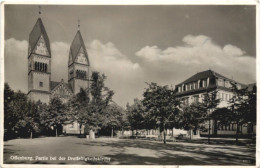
pixel 178 153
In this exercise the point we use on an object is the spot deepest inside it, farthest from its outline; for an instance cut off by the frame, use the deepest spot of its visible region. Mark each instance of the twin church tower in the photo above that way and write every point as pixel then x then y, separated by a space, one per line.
pixel 40 86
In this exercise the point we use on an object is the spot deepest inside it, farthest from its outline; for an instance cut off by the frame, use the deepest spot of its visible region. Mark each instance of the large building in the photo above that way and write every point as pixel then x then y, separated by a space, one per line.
pixel 194 88
pixel 40 85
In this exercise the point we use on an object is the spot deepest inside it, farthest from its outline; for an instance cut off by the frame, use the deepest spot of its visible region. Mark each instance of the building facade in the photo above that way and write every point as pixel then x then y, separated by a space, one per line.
pixel 40 85
pixel 194 89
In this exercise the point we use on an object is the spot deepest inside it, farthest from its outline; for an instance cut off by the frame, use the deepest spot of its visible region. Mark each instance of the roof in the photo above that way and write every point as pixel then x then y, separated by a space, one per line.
pixel 76 44
pixel 54 84
pixel 196 91
pixel 203 75
pixel 36 33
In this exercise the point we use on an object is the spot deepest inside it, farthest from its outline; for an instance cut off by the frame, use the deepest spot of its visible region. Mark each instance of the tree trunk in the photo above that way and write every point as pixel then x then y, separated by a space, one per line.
pixel 209 133
pixel 112 132
pixel 237 133
pixel 80 129
pixel 56 133
pixel 31 134
pixel 190 134
pixel 172 131
pixel 164 135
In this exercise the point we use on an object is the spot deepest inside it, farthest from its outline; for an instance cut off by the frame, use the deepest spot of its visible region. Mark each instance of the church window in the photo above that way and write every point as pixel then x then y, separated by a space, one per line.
pixel 41 84
pixel 45 67
pixel 40 66
pixel 36 65
pixel 81 74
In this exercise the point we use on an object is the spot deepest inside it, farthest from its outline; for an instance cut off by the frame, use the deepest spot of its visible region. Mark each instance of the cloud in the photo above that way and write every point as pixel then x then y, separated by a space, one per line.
pixel 15 64
pixel 123 75
pixel 200 53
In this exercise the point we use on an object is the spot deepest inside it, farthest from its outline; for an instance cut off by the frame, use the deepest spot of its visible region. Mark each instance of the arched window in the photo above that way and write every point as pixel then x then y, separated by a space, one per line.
pixel 45 68
pixel 35 66
pixel 85 75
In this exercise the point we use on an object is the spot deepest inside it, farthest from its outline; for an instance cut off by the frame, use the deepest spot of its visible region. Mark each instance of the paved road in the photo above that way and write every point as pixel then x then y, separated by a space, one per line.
pixel 73 150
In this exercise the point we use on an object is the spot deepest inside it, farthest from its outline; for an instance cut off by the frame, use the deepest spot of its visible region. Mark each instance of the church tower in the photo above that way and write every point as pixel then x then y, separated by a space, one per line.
pixel 78 65
pixel 39 64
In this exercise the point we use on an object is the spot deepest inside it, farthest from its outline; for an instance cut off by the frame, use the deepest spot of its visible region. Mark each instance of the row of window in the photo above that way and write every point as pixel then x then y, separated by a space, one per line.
pixel 226 83
pixel 38 66
pixel 229 127
pixel 79 74
pixel 195 98
pixel 193 85
pixel 224 96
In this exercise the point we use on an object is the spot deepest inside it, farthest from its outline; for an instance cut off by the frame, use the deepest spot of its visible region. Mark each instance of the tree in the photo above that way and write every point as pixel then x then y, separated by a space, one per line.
pixel 135 115
pixel 54 115
pixel 113 117
pixel 238 106
pixel 100 98
pixel 250 109
pixel 19 108
pixel 210 103
pixel 32 117
pixel 77 108
pixel 161 104
pixel 10 117
pixel 193 117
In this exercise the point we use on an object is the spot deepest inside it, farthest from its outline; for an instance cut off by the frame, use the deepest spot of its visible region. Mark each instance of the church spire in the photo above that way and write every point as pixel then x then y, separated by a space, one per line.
pixel 40 12
pixel 37 32
pixel 77 46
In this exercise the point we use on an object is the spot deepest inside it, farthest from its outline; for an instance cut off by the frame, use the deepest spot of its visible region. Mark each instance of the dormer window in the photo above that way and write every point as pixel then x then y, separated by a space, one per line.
pixel 227 84
pixel 204 83
pixel 179 89
pixel 195 85
pixel 220 82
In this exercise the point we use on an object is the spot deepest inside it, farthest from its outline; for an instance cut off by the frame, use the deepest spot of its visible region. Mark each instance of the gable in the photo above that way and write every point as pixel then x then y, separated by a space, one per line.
pixel 41 47
pixel 61 90
pixel 81 57
pixel 38 31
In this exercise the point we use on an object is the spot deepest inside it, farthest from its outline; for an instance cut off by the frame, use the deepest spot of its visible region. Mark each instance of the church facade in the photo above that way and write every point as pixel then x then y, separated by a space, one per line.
pixel 40 85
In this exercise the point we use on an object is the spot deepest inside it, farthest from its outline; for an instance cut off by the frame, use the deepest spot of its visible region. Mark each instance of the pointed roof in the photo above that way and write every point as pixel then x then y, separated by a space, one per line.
pixel 54 85
pixel 203 75
pixel 76 44
pixel 36 33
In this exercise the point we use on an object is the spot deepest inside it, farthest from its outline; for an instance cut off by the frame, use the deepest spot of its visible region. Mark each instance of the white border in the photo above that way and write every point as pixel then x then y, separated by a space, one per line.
pixel 123 2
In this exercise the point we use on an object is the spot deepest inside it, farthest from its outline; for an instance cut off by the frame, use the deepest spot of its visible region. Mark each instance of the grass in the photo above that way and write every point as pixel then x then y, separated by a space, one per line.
pixel 125 151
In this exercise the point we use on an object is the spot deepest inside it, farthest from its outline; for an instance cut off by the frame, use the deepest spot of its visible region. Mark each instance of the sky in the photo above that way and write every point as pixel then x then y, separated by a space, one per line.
pixel 134 44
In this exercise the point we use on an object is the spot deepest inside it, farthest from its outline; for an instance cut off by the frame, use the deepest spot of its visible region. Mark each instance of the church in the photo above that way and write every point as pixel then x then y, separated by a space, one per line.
pixel 40 86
